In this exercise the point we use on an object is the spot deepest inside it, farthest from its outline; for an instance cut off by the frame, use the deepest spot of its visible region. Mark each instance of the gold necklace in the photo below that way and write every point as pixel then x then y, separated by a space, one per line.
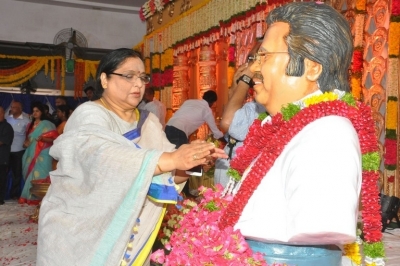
pixel 107 107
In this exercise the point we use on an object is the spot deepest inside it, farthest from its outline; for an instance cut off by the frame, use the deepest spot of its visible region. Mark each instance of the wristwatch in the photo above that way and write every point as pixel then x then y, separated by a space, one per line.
pixel 246 79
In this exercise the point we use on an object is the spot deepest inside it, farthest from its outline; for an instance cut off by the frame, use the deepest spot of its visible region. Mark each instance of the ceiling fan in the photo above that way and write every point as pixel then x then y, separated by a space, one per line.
pixel 72 41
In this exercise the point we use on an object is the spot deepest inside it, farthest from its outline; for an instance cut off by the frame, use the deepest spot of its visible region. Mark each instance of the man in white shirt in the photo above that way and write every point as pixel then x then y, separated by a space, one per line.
pixel 190 116
pixel 19 123
pixel 154 106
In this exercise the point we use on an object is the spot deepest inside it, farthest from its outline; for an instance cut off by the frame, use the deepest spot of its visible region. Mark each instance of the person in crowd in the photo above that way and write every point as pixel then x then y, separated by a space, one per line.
pixel 190 116
pixel 63 112
pixel 237 117
pixel 89 90
pixel 36 162
pixel 47 113
pixel 6 138
pixel 115 172
pixel 154 106
pixel 60 100
pixel 301 175
pixel 19 123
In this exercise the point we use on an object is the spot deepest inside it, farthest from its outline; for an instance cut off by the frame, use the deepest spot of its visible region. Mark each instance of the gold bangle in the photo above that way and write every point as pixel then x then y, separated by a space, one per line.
pixel 158 166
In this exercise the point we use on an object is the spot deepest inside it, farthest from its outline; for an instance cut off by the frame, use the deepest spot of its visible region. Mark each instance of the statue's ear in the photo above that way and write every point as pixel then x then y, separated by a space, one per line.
pixel 312 70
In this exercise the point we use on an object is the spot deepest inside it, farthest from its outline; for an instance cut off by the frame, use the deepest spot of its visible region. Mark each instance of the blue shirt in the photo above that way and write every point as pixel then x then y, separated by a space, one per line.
pixel 19 125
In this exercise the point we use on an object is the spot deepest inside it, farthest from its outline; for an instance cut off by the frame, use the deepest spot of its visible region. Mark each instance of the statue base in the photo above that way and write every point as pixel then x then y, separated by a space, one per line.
pixel 327 255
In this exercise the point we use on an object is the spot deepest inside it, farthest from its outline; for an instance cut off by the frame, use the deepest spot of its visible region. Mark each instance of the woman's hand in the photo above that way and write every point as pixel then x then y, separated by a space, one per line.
pixel 190 155
pixel 26 143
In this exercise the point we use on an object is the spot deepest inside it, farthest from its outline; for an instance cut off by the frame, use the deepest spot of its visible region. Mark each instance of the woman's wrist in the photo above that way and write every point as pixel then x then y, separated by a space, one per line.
pixel 165 163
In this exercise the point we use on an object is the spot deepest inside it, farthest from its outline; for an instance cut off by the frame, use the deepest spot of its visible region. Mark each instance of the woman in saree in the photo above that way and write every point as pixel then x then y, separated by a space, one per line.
pixel 115 172
pixel 36 162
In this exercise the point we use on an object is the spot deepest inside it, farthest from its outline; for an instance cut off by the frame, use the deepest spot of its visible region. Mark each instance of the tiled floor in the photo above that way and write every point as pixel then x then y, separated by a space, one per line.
pixel 18 237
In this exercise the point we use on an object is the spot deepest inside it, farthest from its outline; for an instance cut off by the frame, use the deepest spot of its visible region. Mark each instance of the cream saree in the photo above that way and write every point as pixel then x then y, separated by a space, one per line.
pixel 98 193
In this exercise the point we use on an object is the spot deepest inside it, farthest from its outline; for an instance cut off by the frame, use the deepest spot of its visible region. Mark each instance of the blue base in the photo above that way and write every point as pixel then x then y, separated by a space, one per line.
pixel 328 255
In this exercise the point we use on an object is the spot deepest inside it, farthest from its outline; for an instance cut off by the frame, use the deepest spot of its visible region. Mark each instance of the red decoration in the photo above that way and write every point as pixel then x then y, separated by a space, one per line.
pixel 357 61
pixel 390 152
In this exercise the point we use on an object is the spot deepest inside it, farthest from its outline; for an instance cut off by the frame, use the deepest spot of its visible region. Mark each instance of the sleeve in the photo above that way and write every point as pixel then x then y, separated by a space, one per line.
pixel 323 183
pixel 242 120
pixel 209 118
pixel 7 136
pixel 153 108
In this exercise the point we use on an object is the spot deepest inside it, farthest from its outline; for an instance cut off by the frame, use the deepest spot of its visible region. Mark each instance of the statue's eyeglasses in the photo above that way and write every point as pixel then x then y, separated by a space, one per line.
pixel 260 56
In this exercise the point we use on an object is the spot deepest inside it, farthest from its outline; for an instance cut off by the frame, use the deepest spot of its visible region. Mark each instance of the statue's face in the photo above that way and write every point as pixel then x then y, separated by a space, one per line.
pixel 276 89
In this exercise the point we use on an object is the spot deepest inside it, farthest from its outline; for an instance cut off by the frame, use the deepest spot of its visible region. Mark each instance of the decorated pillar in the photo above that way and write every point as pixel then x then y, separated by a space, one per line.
pixel 207 79
pixel 180 83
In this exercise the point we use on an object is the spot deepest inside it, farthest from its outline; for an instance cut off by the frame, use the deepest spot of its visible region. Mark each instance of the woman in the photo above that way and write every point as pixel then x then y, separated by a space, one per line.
pixel 62 112
pixel 115 170
pixel 36 162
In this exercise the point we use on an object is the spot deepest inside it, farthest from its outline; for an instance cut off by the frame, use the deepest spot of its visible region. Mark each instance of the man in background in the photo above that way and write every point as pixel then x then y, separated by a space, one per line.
pixel 190 116
pixel 154 106
pixel 19 124
pixel 89 92
pixel 6 138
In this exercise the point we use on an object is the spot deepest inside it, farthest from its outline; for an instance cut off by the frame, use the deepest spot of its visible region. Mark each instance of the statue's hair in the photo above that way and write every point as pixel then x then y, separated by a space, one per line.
pixel 321 34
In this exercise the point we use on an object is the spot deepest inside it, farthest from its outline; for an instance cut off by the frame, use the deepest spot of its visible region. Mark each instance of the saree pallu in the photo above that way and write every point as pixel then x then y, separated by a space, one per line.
pixel 36 162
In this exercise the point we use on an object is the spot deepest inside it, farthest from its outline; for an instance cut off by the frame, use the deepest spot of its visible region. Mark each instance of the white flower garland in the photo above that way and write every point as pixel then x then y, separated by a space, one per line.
pixel 359 30
pixel 201 20
pixel 393 77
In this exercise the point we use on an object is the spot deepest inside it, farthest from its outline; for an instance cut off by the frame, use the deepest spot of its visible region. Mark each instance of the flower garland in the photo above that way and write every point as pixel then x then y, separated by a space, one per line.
pixel 283 127
pixel 358 60
pixel 231 63
pixel 22 73
pixel 391 136
pixel 190 30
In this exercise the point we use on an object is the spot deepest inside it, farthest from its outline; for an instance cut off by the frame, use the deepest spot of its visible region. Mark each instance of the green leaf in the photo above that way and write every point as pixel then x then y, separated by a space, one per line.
pixel 374 250
pixel 371 161
pixel 234 174
pixel 289 111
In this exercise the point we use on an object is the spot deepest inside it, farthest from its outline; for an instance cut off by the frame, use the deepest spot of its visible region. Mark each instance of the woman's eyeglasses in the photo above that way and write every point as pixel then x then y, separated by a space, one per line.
pixel 133 77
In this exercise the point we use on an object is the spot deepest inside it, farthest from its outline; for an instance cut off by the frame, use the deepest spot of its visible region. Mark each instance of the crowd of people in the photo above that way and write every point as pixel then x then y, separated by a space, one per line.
pixel 119 162
pixel 27 157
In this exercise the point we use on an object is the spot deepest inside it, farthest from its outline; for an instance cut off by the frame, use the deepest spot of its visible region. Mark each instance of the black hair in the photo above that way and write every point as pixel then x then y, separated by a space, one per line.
pixel 210 97
pixel 41 108
pixel 109 63
pixel 321 34
pixel 89 88
pixel 64 109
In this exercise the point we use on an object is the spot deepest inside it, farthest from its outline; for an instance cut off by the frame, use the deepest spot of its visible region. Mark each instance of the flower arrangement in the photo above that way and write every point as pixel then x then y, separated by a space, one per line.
pixel 197 238
pixel 151 7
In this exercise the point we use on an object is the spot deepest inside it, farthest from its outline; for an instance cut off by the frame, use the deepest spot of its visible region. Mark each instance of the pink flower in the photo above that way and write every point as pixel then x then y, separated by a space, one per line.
pixel 158 256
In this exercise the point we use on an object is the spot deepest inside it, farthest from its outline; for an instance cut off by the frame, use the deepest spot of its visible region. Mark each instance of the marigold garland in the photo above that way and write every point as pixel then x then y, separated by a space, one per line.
pixel 394 40
pixel 391 110
pixel 21 74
